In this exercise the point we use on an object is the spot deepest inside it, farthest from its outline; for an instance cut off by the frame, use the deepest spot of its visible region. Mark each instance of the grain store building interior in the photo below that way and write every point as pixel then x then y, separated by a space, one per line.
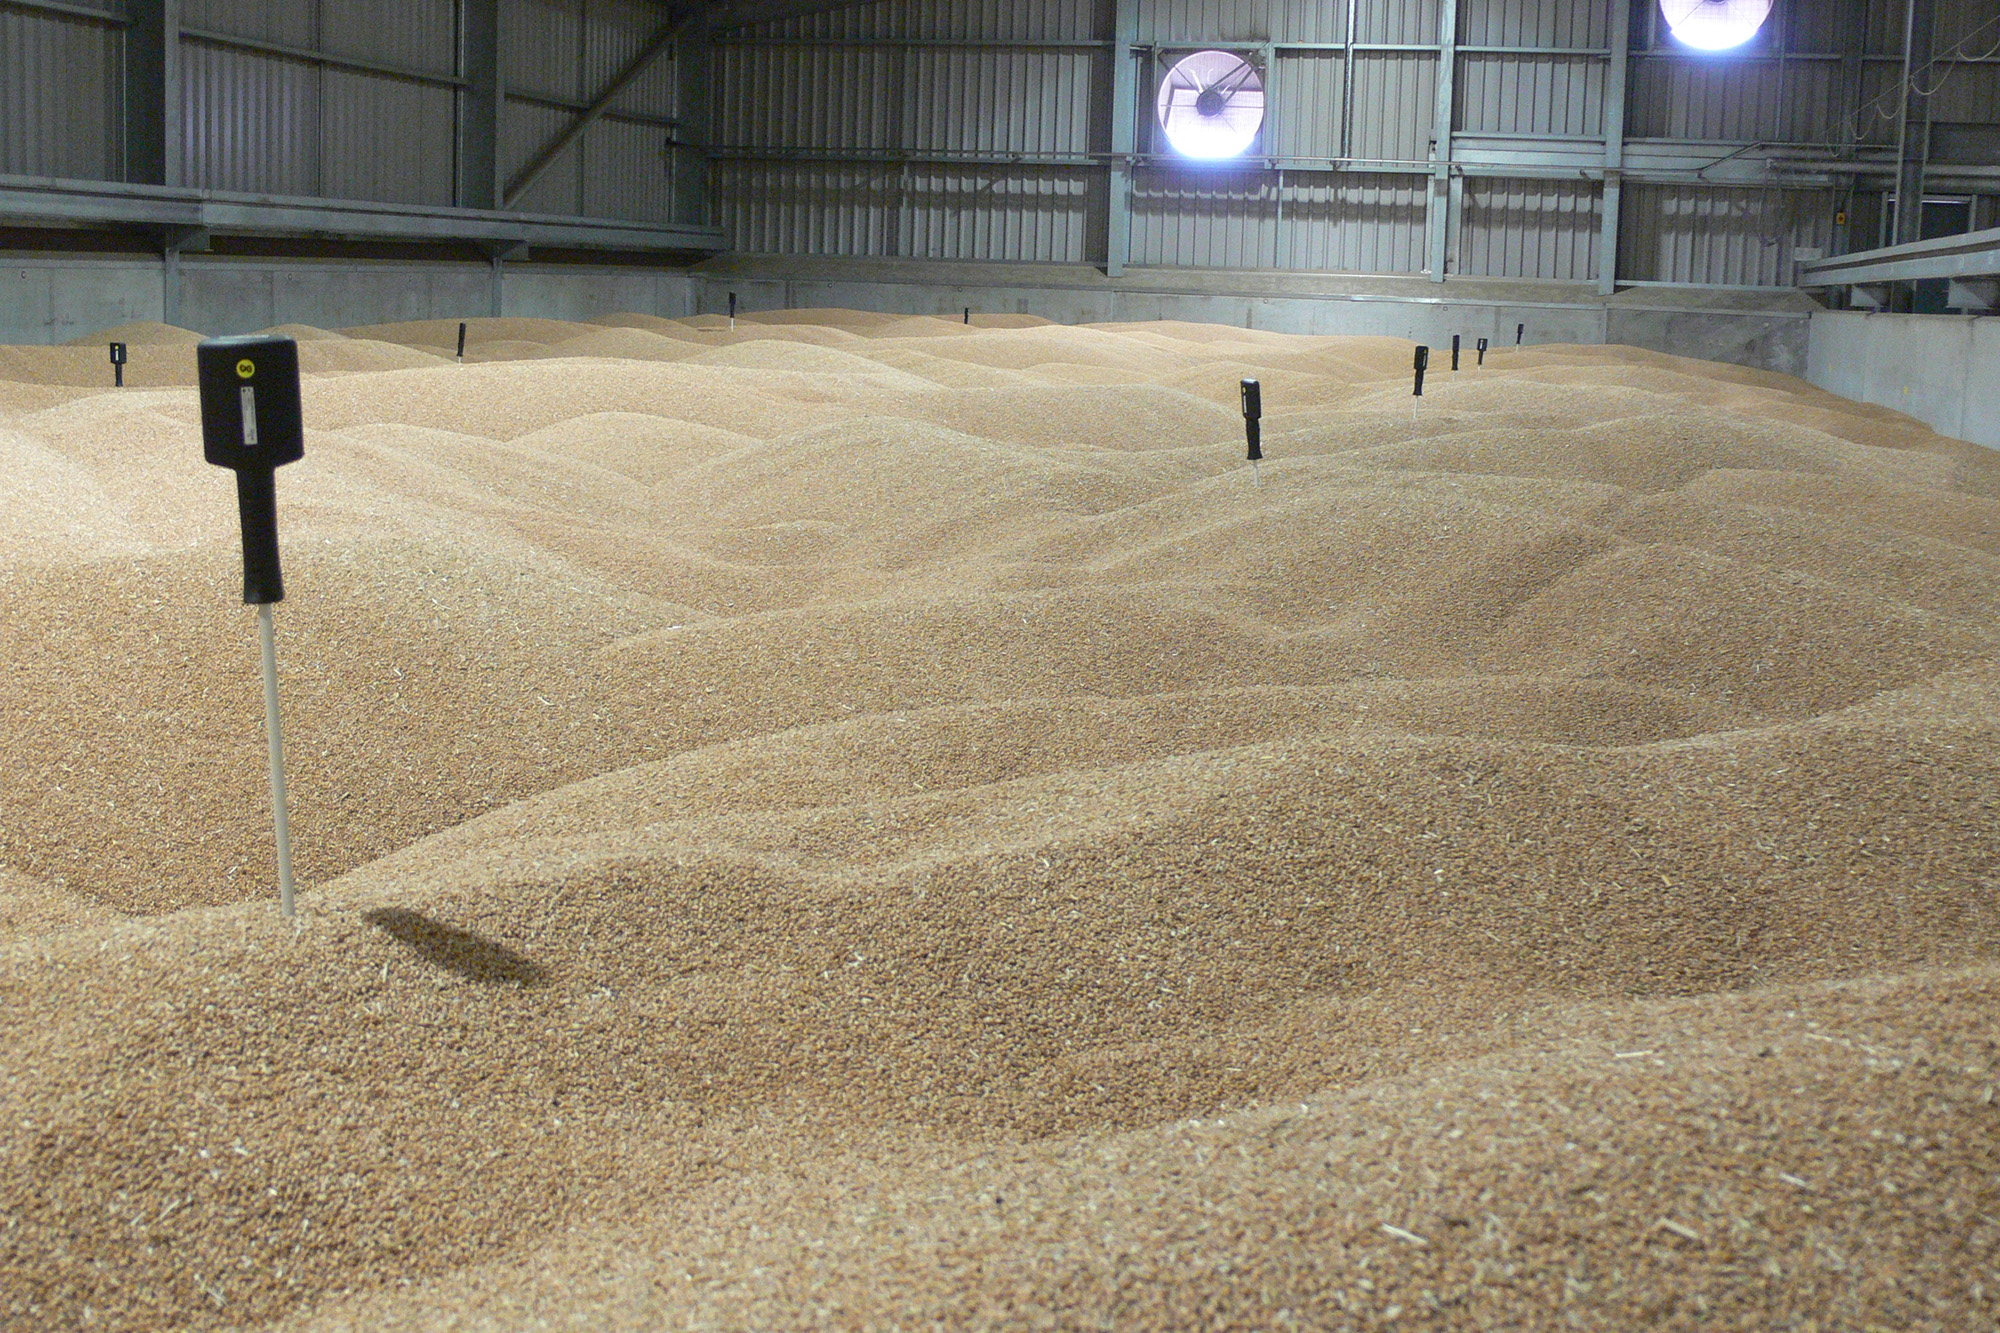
pixel 990 664
pixel 226 165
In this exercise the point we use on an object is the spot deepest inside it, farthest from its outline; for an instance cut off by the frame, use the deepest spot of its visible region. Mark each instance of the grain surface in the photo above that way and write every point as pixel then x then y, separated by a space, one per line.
pixel 865 821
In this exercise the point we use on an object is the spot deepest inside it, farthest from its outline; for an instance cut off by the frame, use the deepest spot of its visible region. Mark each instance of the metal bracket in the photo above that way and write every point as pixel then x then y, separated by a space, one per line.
pixel 1972 294
pixel 184 240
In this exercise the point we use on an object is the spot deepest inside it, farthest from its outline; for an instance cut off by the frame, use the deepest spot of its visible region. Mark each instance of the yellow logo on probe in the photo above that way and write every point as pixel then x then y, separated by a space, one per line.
pixel 245 368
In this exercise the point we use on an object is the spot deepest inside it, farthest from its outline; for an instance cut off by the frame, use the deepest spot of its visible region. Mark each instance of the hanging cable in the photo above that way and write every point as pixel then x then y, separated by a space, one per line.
pixel 1945 65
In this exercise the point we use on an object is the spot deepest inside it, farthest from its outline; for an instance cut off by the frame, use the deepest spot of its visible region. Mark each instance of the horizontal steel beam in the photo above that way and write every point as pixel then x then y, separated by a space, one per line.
pixel 1485 156
pixel 743 13
pixel 70 202
pixel 325 59
pixel 575 108
pixel 59 10
pixel 1975 254
pixel 742 39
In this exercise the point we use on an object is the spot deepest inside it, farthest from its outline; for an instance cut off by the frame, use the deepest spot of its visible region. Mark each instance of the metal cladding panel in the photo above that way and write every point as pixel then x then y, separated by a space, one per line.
pixel 1197 22
pixel 1881 103
pixel 1812 109
pixel 252 122
pixel 960 21
pixel 1395 99
pixel 58 78
pixel 387 139
pixel 1968 92
pixel 997 100
pixel 1885 27
pixel 804 208
pixel 614 33
pixel 1307 93
pixel 1204 217
pixel 1508 94
pixel 260 20
pixel 540 45
pixel 411 34
pixel 1398 21
pixel 1308 21
pixel 807 97
pixel 1352 223
pixel 1529 229
pixel 629 172
pixel 1685 98
pixel 1822 28
pixel 1009 21
pixel 1042 215
pixel 524 128
pixel 1705 234
pixel 874 22
pixel 1975 23
pixel 1571 23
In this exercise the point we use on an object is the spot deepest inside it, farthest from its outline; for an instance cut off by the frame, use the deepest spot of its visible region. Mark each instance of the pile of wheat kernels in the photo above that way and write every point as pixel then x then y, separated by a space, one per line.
pixel 865 821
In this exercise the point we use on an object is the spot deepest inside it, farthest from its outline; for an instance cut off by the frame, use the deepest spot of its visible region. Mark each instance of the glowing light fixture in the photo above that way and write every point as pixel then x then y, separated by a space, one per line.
pixel 1715 25
pixel 1211 104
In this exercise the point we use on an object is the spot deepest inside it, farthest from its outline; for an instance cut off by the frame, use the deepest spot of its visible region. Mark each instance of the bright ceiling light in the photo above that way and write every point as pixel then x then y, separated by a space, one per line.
pixel 1211 104
pixel 1715 25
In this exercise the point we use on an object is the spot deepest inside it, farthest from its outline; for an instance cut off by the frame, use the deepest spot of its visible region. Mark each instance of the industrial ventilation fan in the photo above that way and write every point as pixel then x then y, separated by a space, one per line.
pixel 1211 104
pixel 1715 25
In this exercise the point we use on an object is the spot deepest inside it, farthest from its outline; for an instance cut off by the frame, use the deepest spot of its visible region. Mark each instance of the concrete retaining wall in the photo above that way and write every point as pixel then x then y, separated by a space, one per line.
pixel 1396 307
pixel 55 299
pixel 1944 370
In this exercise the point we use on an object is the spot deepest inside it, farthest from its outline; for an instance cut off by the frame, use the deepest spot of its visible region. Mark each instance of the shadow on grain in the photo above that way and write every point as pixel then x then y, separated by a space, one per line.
pixel 456 950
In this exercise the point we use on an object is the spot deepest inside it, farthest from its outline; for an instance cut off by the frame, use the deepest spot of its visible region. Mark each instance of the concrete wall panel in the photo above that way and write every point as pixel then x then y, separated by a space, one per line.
pixel 1980 417
pixel 1944 370
pixel 1768 343
pixel 53 301
pixel 552 293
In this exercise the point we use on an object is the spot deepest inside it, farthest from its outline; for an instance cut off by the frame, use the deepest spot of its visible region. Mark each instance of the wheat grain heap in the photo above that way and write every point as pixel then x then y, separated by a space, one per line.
pixel 872 822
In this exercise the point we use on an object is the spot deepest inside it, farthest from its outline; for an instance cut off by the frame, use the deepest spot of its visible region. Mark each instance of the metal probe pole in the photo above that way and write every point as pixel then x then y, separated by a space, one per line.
pixel 272 729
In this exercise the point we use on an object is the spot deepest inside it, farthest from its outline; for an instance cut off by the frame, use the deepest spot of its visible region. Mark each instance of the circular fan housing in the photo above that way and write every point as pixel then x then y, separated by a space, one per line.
pixel 1211 104
pixel 1715 25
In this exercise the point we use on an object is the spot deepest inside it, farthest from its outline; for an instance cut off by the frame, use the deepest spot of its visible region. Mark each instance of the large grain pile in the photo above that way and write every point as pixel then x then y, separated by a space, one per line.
pixel 870 822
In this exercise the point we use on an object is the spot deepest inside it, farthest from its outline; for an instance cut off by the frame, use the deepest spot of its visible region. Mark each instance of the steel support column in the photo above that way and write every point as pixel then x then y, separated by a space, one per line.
pixel 479 103
pixel 694 56
pixel 1614 146
pixel 153 92
pixel 1439 222
pixel 1124 130
pixel 1913 131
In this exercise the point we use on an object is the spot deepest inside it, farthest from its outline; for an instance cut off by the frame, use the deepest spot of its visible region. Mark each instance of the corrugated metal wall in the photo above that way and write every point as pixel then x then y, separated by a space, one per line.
pixel 58 96
pixel 351 99
pixel 1702 234
pixel 807 105
pixel 1352 223
pixel 556 55
pixel 966 130
pixel 979 129
pixel 1529 229
pixel 292 121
